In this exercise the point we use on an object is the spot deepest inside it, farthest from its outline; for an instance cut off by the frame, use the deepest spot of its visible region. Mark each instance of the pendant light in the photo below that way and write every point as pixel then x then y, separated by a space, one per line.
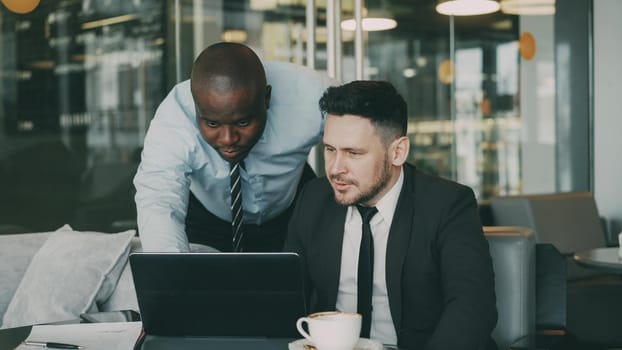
pixel 21 6
pixel 528 7
pixel 371 24
pixel 466 7
pixel 375 19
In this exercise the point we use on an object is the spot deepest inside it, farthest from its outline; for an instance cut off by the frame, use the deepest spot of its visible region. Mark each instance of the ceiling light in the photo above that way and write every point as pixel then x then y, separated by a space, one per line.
pixel 528 7
pixel 466 7
pixel 263 5
pixel 409 72
pixel 21 6
pixel 370 24
pixel 373 20
pixel 505 24
pixel 234 36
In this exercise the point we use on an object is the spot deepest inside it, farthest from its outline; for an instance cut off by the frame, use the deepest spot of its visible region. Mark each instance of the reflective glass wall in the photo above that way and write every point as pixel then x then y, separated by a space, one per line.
pixel 80 80
pixel 479 88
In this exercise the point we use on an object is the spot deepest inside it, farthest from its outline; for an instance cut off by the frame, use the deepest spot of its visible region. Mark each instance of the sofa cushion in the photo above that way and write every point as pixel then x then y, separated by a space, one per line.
pixel 124 295
pixel 16 252
pixel 71 273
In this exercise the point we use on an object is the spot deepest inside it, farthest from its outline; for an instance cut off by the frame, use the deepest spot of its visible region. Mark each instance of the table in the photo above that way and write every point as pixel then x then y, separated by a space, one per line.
pixel 12 337
pixel 93 336
pixel 123 336
pixel 602 259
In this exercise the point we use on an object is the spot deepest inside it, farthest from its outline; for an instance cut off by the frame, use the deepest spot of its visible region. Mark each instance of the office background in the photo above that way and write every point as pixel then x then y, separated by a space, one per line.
pixel 80 81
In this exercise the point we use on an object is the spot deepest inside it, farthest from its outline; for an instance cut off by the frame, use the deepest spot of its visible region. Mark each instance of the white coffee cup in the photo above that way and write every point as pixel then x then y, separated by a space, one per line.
pixel 620 244
pixel 332 330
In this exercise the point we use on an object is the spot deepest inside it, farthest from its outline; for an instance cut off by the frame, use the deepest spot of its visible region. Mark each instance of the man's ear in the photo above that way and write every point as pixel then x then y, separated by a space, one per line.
pixel 268 95
pixel 399 149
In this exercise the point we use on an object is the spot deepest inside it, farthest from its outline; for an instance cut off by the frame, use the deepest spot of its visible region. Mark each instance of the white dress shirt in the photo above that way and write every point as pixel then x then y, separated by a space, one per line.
pixel 382 328
pixel 177 159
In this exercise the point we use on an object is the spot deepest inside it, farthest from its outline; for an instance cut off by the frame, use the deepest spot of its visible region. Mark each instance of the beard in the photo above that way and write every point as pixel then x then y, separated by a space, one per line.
pixel 379 183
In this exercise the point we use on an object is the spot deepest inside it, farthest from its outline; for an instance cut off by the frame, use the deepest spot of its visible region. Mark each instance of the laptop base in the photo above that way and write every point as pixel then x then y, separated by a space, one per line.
pixel 154 342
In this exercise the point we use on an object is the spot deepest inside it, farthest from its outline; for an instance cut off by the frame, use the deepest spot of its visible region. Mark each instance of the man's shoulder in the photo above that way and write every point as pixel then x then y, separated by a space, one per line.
pixel 425 182
pixel 177 108
pixel 179 95
pixel 317 190
pixel 294 119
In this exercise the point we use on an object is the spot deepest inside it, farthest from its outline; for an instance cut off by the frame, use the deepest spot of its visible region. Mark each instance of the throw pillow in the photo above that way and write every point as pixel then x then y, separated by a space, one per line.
pixel 16 253
pixel 69 275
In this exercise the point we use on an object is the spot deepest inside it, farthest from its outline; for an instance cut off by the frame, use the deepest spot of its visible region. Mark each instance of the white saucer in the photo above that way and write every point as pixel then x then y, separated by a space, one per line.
pixel 361 344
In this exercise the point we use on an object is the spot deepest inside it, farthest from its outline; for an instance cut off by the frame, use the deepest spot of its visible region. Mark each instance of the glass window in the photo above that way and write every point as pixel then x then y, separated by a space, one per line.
pixel 80 81
pixel 480 95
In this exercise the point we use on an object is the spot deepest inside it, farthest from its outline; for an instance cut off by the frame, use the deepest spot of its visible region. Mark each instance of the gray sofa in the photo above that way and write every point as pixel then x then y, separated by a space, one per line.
pixel 55 276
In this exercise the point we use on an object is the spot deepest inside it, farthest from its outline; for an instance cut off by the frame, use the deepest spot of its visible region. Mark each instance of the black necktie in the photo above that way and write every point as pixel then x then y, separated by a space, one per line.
pixel 236 207
pixel 366 270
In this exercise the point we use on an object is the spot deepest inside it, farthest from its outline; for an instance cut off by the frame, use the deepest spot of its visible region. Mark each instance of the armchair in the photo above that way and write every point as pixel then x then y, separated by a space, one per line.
pixel 570 222
pixel 514 262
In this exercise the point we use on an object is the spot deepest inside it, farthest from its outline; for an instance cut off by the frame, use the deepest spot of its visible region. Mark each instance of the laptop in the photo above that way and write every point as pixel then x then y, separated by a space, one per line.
pixel 219 295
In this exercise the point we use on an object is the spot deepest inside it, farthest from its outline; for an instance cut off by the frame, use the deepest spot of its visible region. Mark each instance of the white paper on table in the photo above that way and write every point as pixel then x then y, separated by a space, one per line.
pixel 92 336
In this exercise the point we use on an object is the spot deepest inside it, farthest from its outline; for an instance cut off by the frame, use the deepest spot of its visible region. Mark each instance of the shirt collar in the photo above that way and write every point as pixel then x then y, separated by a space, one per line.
pixel 386 205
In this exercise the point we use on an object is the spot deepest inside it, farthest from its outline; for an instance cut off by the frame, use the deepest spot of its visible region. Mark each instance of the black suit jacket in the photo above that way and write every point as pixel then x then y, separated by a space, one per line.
pixel 439 274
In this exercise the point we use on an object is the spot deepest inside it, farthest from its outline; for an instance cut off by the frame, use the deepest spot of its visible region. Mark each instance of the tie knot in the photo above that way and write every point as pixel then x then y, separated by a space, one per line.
pixel 234 167
pixel 367 212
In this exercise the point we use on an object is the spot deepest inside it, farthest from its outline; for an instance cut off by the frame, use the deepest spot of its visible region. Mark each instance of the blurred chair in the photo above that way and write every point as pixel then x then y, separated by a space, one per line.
pixel 570 222
pixel 484 211
pixel 514 262
pixel 551 299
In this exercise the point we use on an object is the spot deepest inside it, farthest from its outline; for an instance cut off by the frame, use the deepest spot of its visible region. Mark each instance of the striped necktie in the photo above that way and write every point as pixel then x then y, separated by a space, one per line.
pixel 365 277
pixel 236 207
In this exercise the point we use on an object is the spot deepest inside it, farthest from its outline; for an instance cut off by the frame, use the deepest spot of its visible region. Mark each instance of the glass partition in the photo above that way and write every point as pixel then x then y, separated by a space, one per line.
pixel 465 83
pixel 80 81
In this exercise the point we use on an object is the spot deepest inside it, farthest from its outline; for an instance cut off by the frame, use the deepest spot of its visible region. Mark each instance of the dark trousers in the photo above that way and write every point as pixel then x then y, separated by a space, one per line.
pixel 206 228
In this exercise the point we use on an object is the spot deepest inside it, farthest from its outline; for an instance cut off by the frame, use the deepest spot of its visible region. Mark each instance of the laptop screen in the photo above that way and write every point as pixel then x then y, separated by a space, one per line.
pixel 219 294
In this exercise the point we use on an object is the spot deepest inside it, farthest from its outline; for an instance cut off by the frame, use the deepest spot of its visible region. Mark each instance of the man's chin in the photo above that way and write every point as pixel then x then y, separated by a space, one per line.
pixel 344 199
pixel 232 157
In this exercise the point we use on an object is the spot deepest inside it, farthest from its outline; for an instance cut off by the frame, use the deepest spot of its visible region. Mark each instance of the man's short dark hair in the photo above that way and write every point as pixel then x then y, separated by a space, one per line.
pixel 375 100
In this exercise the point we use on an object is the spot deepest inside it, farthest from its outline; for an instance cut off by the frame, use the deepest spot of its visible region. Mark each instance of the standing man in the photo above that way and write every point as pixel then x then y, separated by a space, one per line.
pixel 379 237
pixel 225 153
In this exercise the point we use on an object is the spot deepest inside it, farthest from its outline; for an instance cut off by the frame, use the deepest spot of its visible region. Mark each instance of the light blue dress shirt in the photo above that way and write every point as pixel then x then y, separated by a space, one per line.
pixel 176 159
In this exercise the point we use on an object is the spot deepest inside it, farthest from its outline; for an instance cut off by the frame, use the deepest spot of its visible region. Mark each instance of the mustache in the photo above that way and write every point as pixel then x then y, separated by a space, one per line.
pixel 340 178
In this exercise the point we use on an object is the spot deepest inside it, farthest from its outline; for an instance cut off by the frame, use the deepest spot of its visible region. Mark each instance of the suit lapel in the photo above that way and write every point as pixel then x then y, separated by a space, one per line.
pixel 330 243
pixel 397 245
